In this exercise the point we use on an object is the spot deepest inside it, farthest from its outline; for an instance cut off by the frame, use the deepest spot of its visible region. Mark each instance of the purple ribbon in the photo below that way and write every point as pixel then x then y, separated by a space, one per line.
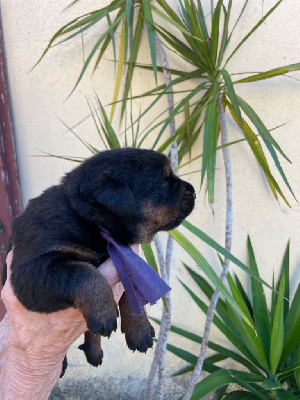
pixel 141 283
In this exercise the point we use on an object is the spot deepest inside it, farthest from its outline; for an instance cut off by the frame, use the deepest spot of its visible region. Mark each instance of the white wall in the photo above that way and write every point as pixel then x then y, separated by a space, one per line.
pixel 38 99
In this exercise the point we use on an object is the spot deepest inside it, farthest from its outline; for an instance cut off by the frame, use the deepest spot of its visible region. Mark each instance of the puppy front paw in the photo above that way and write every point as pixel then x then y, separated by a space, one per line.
pixel 95 300
pixel 103 321
pixel 139 337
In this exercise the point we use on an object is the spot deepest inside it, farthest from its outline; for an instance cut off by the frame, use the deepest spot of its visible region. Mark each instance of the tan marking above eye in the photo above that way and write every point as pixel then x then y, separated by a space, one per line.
pixel 167 170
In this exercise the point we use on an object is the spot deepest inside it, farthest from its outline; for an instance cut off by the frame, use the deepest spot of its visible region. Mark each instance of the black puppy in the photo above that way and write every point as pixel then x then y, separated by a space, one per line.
pixel 131 193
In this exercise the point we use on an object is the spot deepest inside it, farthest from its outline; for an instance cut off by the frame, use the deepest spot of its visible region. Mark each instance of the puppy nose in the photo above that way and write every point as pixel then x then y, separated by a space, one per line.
pixel 190 192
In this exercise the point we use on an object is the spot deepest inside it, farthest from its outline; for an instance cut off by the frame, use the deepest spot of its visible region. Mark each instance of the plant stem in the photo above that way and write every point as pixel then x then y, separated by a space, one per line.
pixel 228 241
pixel 160 349
pixel 168 79
pixel 158 363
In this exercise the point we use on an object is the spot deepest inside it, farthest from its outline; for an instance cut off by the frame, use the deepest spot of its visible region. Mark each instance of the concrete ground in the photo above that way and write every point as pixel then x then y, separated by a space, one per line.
pixel 82 381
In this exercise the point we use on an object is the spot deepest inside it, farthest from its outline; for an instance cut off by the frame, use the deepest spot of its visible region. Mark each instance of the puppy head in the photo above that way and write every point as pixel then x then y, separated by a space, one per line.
pixel 132 193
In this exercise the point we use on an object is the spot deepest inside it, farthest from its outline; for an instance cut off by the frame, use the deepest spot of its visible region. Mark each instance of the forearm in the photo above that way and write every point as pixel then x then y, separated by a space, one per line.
pixel 3 341
pixel 27 375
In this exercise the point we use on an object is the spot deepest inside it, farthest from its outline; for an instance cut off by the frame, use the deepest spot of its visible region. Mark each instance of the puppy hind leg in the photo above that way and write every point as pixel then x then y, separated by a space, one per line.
pixel 137 328
pixel 64 366
pixel 92 348
pixel 4 274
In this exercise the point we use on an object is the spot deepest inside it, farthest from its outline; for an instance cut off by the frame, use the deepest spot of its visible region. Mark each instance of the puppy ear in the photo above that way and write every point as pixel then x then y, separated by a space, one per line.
pixel 117 197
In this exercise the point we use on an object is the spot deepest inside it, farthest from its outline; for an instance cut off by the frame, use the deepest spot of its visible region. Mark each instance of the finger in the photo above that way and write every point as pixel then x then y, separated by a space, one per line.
pixel 7 294
pixel 108 270
pixel 135 247
pixel 8 262
pixel 118 290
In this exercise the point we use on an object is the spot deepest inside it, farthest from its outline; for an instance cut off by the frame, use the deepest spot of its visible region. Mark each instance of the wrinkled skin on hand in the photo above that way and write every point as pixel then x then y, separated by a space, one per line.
pixel 33 345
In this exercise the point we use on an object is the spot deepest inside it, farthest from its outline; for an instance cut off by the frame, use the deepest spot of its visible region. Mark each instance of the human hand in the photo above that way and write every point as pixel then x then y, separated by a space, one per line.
pixel 36 343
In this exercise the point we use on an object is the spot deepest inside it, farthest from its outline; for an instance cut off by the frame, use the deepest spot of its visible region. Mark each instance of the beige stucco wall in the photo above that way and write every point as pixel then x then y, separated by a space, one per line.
pixel 39 101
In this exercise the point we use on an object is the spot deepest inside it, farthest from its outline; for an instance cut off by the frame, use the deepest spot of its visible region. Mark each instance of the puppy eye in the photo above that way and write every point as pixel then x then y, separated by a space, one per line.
pixel 165 185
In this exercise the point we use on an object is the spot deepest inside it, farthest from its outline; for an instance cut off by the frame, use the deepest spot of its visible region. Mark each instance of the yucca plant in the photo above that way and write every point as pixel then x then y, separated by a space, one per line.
pixel 213 94
pixel 204 46
pixel 267 359
pixel 127 16
pixel 206 55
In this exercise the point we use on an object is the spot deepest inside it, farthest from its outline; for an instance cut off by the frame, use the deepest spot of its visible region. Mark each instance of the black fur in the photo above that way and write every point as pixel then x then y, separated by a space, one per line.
pixel 132 193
